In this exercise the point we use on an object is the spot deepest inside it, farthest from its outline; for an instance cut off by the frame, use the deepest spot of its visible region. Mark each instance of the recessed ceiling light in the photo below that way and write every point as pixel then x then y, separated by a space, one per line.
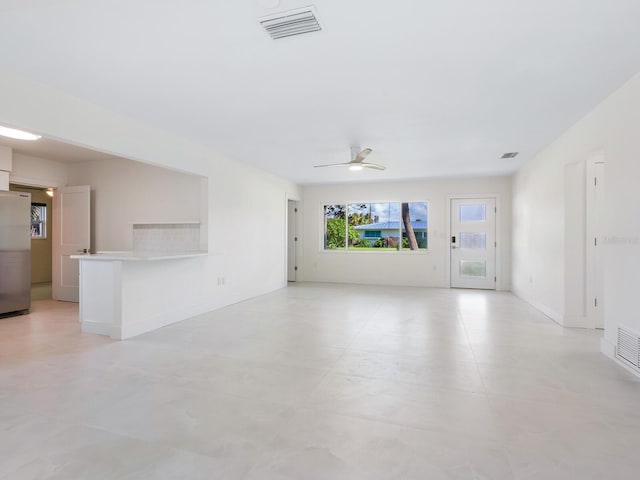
pixel 509 155
pixel 18 134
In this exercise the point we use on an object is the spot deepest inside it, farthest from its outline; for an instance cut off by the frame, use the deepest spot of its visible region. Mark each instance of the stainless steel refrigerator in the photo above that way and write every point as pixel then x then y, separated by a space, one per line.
pixel 15 252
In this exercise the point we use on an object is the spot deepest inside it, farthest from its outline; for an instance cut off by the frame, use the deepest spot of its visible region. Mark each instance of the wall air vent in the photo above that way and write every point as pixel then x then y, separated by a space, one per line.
pixel 628 348
pixel 509 155
pixel 291 22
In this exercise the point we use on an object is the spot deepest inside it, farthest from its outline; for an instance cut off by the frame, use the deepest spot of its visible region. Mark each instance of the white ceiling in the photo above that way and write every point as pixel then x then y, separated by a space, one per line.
pixel 435 88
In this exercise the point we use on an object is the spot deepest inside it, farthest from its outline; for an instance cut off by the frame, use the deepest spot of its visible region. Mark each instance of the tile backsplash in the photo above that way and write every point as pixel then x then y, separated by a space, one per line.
pixel 166 238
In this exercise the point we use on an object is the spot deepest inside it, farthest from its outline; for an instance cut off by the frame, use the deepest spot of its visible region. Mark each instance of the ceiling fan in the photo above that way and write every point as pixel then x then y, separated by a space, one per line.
pixel 357 161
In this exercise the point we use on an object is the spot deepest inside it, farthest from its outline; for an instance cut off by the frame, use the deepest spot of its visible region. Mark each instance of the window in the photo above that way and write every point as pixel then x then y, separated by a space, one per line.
pixel 39 220
pixel 388 226
pixel 334 227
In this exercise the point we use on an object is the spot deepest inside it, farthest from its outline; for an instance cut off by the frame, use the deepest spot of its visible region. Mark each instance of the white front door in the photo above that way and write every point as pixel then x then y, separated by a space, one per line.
pixel 473 243
pixel 71 236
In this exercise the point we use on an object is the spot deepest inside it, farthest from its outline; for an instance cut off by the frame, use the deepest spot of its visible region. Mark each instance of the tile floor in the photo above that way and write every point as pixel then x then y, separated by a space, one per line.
pixel 323 382
pixel 41 291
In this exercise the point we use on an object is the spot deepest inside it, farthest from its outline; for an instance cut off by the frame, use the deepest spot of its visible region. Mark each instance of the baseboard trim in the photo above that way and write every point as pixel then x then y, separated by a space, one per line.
pixel 118 332
pixel 138 328
pixel 552 314
pixel 607 348
pixel 627 367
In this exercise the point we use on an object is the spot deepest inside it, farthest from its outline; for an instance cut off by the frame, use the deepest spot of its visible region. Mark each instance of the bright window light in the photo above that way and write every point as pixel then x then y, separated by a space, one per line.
pixel 18 134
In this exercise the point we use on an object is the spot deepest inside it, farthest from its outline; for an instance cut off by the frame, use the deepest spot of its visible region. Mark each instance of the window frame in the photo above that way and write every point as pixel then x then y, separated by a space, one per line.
pixel 387 251
pixel 42 223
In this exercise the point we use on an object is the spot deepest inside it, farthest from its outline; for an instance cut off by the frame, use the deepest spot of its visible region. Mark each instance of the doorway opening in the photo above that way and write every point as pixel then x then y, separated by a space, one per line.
pixel 41 239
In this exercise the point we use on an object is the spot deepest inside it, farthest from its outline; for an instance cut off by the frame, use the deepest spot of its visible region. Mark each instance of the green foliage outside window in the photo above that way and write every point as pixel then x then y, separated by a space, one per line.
pixel 335 233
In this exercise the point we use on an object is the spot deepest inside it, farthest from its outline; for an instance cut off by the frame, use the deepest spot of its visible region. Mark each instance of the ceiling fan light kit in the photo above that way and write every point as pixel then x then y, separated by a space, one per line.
pixel 357 162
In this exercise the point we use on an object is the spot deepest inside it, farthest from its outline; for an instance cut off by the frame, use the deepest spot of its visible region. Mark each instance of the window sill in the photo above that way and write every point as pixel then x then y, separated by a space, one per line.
pixel 373 252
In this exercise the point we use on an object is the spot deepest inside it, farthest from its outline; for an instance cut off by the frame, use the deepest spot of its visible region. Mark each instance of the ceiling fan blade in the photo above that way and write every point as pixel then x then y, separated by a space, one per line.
pixel 332 165
pixel 362 155
pixel 357 162
pixel 375 166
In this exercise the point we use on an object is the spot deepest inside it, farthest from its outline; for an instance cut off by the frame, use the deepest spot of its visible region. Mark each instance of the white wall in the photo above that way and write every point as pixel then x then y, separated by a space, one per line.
pixel 540 195
pixel 40 172
pixel 575 247
pixel 246 207
pixel 6 163
pixel 124 192
pixel 397 268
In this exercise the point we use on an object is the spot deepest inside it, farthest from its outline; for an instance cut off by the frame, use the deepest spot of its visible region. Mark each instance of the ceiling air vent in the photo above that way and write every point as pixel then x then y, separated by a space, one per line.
pixel 509 155
pixel 291 22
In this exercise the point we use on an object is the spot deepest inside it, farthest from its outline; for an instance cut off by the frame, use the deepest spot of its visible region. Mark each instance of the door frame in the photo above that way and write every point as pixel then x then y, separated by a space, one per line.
pixel 501 283
pixel 51 215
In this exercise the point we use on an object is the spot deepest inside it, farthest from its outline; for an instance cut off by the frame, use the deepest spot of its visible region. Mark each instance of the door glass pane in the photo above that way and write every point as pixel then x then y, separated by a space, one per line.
pixel 473 268
pixel 473 240
pixel 473 213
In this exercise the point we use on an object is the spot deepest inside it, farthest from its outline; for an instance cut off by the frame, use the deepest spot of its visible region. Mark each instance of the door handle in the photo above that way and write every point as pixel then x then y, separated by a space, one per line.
pixel 84 250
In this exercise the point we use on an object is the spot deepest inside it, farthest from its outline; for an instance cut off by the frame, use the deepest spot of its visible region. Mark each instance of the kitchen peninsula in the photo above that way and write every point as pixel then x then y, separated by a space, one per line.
pixel 124 294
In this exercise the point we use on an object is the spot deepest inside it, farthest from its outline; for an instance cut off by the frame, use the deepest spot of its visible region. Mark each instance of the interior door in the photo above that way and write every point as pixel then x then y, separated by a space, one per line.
pixel 595 217
pixel 71 235
pixel 473 243
pixel 598 273
pixel 292 240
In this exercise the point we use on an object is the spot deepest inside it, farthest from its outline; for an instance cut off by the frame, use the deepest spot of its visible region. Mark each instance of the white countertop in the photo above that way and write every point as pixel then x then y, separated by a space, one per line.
pixel 136 256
